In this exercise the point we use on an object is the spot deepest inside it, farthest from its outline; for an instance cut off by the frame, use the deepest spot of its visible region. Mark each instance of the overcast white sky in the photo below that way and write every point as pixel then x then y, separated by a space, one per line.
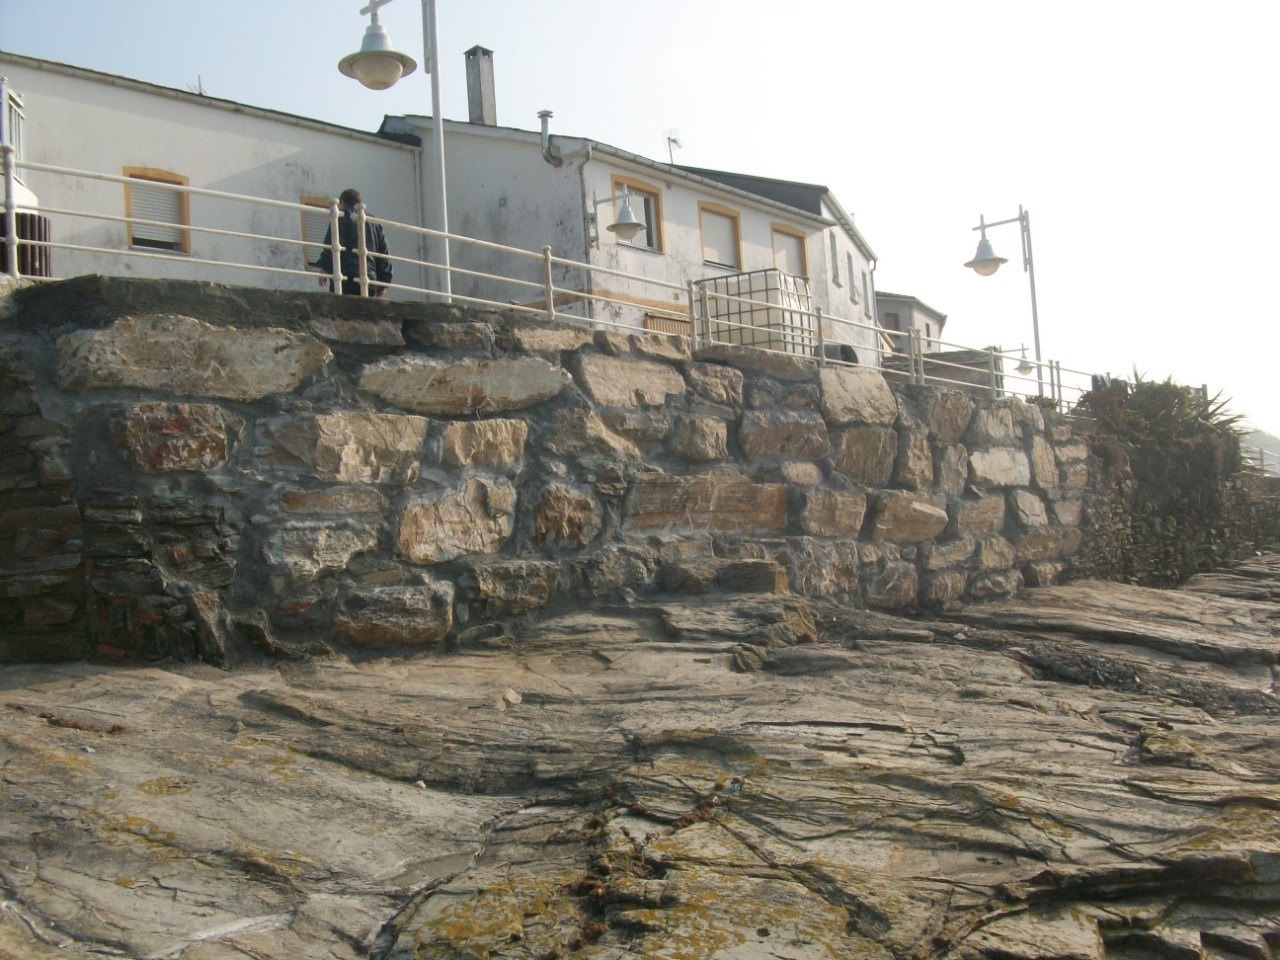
pixel 1140 135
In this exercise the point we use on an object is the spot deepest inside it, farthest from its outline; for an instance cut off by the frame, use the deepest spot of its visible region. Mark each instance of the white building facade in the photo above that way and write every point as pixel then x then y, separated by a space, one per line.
pixel 734 234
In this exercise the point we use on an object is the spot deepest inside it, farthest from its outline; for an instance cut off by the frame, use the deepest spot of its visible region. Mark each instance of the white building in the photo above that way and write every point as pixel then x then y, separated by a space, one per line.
pixel 734 233
pixel 901 315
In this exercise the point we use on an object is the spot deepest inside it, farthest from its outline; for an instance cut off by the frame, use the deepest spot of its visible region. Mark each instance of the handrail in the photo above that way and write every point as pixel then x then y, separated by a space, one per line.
pixel 545 277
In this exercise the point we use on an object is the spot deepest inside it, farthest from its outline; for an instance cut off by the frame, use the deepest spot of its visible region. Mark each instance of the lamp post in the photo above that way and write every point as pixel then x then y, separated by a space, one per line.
pixel 378 66
pixel 985 263
pixel 626 227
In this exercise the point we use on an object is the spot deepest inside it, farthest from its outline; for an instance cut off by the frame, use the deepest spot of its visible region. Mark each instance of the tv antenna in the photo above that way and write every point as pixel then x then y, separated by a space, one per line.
pixel 673 144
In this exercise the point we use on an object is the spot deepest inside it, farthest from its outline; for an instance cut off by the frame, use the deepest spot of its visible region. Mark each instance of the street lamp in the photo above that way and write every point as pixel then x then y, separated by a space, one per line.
pixel 626 226
pixel 378 66
pixel 985 263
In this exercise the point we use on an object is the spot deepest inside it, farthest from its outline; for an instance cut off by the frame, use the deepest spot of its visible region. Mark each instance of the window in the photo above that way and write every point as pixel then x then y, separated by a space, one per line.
pixel 928 336
pixel 835 262
pixel 853 287
pixel 866 293
pixel 646 204
pixel 150 197
pixel 315 224
pixel 721 235
pixel 11 126
pixel 892 322
pixel 788 250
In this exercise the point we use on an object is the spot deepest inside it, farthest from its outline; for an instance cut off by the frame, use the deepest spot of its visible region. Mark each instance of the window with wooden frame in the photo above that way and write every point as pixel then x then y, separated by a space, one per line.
pixel 721 235
pixel 646 204
pixel 159 217
pixel 315 225
pixel 789 250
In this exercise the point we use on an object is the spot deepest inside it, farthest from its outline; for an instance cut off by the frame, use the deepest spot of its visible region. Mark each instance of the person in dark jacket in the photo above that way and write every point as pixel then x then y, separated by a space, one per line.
pixel 379 267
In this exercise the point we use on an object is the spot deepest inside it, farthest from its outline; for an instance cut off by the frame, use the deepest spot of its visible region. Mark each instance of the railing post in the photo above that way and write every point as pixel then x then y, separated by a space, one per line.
pixel 10 209
pixel 362 248
pixel 991 368
pixel 335 248
pixel 704 306
pixel 822 342
pixel 693 319
pixel 549 283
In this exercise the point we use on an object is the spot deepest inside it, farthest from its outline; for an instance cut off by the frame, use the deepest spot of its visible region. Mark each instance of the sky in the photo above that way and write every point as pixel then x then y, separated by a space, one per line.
pixel 1139 135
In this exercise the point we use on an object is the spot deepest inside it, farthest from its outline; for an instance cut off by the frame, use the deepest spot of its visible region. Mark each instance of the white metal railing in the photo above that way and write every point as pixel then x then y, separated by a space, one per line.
pixel 1268 461
pixel 501 277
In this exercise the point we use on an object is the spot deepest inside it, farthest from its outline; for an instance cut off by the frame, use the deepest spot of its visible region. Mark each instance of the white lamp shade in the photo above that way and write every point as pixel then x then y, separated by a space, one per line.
pixel 627 225
pixel 377 65
pixel 985 262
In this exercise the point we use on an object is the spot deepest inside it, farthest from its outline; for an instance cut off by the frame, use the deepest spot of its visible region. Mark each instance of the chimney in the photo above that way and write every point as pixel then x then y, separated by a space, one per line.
pixel 482 106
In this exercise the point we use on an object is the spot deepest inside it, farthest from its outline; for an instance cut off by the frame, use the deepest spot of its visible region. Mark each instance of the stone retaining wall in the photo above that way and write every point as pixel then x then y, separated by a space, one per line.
pixel 195 470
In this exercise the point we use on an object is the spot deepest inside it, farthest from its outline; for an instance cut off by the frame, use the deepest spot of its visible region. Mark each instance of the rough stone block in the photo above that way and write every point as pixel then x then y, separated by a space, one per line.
pixel 577 431
pixel 715 383
pixel 304 552
pixel 179 355
pixel 865 454
pixel 1072 451
pixel 566 516
pixel 995 553
pixel 700 439
pixel 627 382
pixel 783 434
pixel 1002 584
pixel 464 387
pixel 856 395
pixel 982 516
pixel 953 470
pixel 948 416
pixel 951 553
pixel 505 588
pixel 419 615
pixel 1028 508
pixel 373 333
pixel 895 587
pixel 495 443
pixel 832 513
pixel 1044 467
pixel 338 501
pixel 717 502
pixel 782 366
pixel 914 467
pixel 999 467
pixel 369 447
pixel 474 518
pixel 561 339
pixel 161 437
pixel 1045 543
pixel 907 517
pixel 940 589
pixel 991 427
pixel 765 392
pixel 1042 573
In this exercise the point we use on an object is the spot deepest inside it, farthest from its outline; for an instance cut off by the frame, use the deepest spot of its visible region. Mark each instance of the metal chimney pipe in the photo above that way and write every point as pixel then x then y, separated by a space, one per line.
pixel 482 104
pixel 548 152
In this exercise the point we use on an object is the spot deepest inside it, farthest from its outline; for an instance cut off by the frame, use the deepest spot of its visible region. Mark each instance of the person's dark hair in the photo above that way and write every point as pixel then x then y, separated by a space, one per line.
pixel 349 197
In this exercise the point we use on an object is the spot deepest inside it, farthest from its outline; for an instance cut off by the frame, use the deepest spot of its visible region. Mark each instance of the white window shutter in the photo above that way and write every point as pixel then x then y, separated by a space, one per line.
pixel 719 239
pixel 151 202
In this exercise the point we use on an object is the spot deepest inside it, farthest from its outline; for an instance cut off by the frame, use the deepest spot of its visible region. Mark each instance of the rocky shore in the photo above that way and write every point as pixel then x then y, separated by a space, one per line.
pixel 1081 771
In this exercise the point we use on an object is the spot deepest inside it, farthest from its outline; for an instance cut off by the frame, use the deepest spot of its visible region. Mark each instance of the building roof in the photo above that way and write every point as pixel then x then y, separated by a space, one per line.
pixel 802 196
pixel 203 99
pixel 914 301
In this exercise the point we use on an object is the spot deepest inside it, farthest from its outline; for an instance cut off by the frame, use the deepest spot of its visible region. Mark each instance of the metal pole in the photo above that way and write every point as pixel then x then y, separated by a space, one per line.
pixel 429 36
pixel 1028 264
pixel 335 248
pixel 549 280
pixel 10 209
pixel 821 340
pixel 693 317
pixel 362 250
